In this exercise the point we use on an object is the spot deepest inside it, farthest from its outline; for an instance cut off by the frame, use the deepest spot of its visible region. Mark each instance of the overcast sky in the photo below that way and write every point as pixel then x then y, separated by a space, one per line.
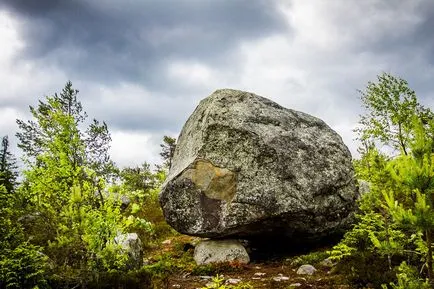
pixel 142 65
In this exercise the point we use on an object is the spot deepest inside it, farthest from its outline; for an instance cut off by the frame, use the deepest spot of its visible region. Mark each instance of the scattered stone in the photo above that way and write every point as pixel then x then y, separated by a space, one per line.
pixel 217 251
pixel 306 270
pixel 166 242
pixel 176 286
pixel 257 267
pixel 245 166
pixel 131 245
pixel 280 278
pixel 232 281
pixel 260 274
pixel 295 285
pixel 205 277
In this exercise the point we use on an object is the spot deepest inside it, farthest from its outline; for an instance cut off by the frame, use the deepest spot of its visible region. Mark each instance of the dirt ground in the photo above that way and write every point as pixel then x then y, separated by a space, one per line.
pixel 265 275
pixel 272 273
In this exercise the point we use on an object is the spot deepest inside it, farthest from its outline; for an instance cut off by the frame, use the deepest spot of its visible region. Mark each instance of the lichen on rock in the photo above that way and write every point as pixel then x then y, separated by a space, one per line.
pixel 245 166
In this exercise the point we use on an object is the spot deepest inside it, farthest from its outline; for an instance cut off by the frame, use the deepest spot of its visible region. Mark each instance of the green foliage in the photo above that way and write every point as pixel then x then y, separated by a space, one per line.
pixel 139 180
pixel 8 167
pixel 167 150
pixel 396 217
pixel 64 186
pixel 372 233
pixel 390 107
pixel 368 252
pixel 167 264
pixel 408 278
pixel 311 258
pixel 416 173
pixel 218 282
pixel 23 267
pixel 142 185
pixel 132 279
pixel 58 121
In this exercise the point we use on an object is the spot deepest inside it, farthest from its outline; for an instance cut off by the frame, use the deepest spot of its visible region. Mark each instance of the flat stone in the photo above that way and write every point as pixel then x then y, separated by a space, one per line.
pixel 218 251
pixel 232 281
pixel 280 278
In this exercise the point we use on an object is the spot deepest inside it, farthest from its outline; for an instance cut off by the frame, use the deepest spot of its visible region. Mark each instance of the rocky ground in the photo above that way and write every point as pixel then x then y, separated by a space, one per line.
pixel 283 272
pixel 263 275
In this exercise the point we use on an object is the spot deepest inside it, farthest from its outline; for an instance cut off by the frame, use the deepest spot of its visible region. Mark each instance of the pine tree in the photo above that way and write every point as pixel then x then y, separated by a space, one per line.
pixel 416 172
pixel 8 167
pixel 65 182
pixel 89 148
pixel 167 150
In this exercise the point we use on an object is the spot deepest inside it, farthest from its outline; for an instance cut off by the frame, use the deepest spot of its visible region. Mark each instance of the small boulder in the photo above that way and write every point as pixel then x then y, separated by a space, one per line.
pixel 280 278
pixel 218 251
pixel 131 245
pixel 306 270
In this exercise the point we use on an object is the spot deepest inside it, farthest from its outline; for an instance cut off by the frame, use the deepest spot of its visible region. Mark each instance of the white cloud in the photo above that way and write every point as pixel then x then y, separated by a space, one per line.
pixel 332 25
pixel 7 120
pixel 191 73
pixel 22 81
pixel 330 49
pixel 133 148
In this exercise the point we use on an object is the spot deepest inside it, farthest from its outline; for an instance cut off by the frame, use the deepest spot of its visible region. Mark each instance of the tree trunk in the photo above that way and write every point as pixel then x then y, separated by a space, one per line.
pixel 401 139
pixel 429 257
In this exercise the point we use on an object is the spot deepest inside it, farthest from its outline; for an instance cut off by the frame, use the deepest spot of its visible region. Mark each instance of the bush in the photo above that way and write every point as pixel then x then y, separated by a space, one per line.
pixel 23 267
pixel 137 279
pixel 408 278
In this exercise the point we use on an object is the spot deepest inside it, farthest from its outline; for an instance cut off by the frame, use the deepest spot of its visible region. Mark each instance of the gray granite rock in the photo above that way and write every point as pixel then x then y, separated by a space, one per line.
pixel 306 270
pixel 132 246
pixel 244 166
pixel 218 251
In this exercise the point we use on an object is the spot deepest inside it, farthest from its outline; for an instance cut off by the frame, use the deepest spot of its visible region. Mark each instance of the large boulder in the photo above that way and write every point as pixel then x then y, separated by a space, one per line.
pixel 244 166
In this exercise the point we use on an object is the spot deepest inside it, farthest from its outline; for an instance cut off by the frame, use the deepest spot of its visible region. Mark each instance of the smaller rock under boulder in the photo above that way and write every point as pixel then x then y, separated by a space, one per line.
pixel 131 245
pixel 306 270
pixel 218 251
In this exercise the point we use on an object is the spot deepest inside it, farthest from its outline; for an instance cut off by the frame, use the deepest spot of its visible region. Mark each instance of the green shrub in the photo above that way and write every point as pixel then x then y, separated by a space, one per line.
pixel 23 267
pixel 311 258
pixel 218 282
pixel 408 278
pixel 134 279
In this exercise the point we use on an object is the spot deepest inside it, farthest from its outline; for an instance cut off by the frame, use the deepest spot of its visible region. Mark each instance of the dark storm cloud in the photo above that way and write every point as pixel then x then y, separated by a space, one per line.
pixel 133 40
